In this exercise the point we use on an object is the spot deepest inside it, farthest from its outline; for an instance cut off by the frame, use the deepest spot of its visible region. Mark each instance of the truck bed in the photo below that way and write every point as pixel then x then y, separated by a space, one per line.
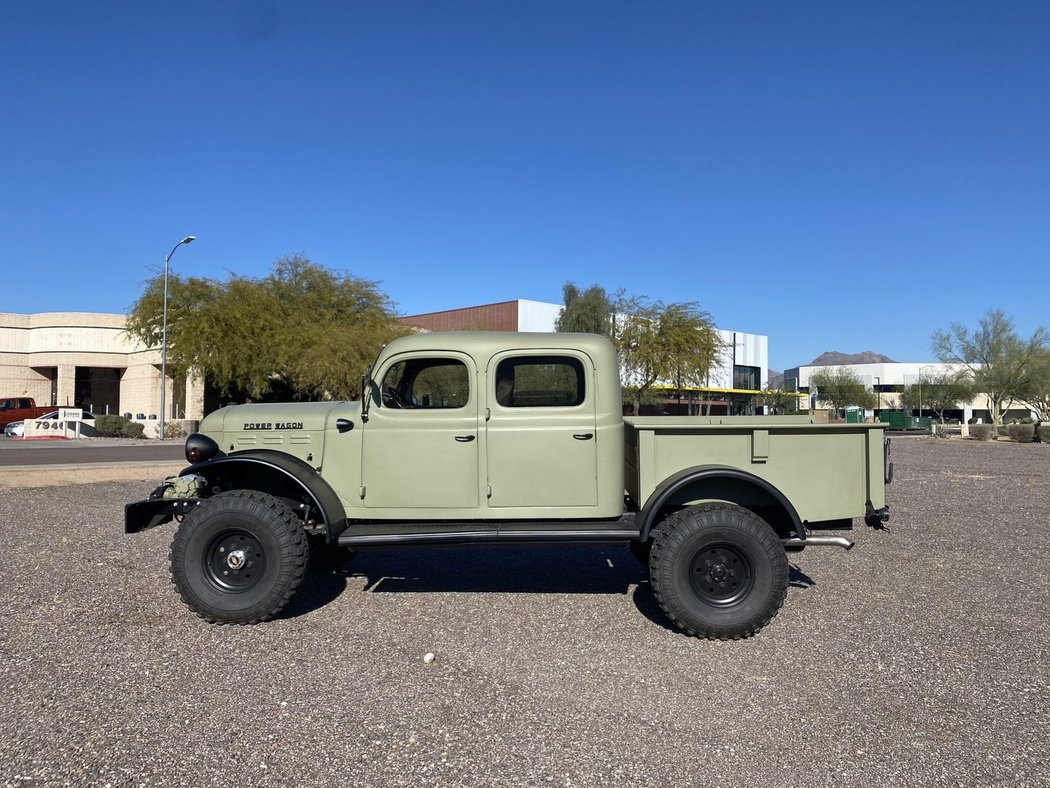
pixel 829 471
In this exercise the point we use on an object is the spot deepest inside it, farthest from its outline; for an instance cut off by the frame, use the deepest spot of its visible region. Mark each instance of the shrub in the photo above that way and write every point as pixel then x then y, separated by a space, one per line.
pixel 1044 433
pixel 110 426
pixel 172 429
pixel 941 430
pixel 972 420
pixel 1021 433
pixel 982 432
pixel 131 429
pixel 1002 431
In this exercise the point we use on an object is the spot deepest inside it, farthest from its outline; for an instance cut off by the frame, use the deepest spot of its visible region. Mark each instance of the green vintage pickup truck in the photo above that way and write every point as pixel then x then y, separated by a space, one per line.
pixel 483 438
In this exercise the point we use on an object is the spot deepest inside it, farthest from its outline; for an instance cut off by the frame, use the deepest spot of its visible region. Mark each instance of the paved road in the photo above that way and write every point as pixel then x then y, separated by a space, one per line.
pixel 22 453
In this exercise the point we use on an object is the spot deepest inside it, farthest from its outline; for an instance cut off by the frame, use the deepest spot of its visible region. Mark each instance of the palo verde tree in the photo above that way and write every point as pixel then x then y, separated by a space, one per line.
pixel 1038 394
pixel 302 332
pixel 999 361
pixel 588 312
pixel 777 399
pixel 840 387
pixel 661 343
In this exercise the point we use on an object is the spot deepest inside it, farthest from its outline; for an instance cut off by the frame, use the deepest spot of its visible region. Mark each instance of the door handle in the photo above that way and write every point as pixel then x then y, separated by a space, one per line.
pixel 583 436
pixel 465 438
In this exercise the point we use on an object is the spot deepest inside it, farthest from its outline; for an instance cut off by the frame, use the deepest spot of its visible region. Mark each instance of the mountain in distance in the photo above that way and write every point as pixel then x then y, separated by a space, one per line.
pixel 833 357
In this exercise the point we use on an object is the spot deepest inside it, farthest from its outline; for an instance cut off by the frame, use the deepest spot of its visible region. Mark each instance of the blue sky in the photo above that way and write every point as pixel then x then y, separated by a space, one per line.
pixel 836 175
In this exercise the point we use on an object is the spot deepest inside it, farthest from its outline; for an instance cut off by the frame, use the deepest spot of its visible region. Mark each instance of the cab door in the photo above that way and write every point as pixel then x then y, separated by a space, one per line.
pixel 541 451
pixel 420 444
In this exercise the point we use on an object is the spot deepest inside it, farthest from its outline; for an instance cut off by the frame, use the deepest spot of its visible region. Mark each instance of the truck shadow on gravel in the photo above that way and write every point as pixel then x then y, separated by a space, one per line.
pixel 519 571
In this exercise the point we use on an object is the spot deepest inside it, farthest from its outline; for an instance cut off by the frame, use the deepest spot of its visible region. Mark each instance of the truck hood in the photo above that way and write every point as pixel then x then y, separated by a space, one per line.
pixel 284 417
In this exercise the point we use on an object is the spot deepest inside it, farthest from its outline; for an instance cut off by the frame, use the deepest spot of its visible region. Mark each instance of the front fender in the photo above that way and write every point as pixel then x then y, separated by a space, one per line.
pixel 278 474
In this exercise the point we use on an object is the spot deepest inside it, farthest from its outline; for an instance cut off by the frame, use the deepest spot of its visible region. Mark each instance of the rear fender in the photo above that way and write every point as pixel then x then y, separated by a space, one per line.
pixel 719 483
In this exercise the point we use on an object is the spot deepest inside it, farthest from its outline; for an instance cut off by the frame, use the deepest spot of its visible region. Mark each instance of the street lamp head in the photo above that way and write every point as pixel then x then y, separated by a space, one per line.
pixel 188 239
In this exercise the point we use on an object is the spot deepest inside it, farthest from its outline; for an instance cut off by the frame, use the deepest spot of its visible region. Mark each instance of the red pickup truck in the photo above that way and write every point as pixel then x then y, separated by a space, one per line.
pixel 20 409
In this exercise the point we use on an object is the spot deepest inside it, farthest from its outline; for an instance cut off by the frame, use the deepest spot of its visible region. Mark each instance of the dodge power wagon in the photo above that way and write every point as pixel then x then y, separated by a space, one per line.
pixel 484 438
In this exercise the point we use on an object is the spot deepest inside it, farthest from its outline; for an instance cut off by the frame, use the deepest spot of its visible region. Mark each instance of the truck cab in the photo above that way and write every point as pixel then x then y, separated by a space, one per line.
pixel 469 427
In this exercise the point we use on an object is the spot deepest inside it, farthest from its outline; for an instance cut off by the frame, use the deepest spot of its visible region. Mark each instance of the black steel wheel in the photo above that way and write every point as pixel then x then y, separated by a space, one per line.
pixel 718 571
pixel 721 574
pixel 235 561
pixel 239 558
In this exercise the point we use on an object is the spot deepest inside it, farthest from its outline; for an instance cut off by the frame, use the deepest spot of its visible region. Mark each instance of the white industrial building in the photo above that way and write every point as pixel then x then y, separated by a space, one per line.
pixel 887 379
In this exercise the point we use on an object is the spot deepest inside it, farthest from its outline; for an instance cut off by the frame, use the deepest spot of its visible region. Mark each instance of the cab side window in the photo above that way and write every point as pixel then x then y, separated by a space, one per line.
pixel 540 382
pixel 426 383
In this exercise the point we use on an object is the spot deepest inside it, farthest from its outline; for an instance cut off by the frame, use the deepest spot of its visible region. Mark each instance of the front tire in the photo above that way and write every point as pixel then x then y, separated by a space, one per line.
pixel 239 558
pixel 718 571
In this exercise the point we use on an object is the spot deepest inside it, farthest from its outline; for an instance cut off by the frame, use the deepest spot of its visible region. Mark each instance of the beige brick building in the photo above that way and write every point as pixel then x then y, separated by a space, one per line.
pixel 88 360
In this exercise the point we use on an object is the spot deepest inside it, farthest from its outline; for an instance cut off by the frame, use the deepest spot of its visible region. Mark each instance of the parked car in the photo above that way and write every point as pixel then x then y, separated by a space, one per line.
pixel 16 429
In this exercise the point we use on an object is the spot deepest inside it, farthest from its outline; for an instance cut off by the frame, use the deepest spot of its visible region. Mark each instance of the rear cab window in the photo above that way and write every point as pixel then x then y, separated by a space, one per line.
pixel 540 381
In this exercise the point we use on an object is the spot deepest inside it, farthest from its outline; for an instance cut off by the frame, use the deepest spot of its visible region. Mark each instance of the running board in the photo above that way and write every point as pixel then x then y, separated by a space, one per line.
pixel 487 538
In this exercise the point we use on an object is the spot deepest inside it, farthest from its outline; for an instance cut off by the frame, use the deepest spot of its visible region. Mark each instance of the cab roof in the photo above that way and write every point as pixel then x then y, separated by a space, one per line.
pixel 484 344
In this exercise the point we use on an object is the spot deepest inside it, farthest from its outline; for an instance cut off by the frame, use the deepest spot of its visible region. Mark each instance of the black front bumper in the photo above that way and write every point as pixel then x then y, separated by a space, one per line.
pixel 143 515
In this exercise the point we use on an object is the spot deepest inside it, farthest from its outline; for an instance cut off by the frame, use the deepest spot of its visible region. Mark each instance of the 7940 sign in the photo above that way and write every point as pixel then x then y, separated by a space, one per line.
pixel 52 428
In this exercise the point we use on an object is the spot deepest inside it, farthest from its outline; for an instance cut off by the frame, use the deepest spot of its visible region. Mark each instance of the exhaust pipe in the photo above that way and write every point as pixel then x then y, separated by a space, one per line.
pixel 819 541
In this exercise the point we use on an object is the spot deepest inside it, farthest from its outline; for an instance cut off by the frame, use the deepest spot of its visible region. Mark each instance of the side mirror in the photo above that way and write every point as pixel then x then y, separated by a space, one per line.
pixel 366 388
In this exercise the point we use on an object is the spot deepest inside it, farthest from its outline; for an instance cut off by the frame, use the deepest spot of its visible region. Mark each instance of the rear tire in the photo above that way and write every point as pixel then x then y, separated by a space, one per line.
pixel 718 571
pixel 239 558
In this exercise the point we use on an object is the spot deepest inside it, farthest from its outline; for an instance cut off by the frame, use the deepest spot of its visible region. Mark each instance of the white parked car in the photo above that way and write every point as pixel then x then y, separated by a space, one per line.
pixel 16 429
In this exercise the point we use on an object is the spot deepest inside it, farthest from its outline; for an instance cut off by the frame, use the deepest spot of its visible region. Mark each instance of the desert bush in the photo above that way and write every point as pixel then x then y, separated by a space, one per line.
pixel 983 432
pixel 941 430
pixel 172 429
pixel 1021 433
pixel 1044 433
pixel 131 429
pixel 110 426
pixel 1003 431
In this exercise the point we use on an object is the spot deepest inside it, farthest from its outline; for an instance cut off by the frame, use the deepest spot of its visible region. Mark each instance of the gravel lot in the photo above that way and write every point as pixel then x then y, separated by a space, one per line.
pixel 920 657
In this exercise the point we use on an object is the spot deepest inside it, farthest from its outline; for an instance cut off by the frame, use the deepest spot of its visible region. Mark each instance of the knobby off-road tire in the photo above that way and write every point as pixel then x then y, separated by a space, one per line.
pixel 239 558
pixel 718 571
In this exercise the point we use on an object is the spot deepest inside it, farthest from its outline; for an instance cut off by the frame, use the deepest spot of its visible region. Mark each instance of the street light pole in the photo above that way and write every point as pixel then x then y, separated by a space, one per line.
pixel 921 368
pixel 164 336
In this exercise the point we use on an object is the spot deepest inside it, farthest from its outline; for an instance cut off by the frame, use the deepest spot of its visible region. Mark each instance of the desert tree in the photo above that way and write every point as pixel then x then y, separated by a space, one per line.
pixel 1000 361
